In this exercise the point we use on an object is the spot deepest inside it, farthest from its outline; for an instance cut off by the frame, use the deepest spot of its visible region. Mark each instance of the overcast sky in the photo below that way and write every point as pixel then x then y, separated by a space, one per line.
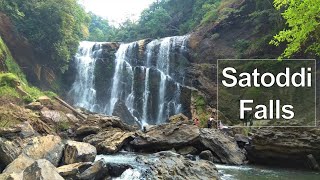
pixel 116 11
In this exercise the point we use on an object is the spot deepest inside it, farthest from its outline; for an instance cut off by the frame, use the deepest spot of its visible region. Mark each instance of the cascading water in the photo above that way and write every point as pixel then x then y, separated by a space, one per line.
pixel 82 89
pixel 145 84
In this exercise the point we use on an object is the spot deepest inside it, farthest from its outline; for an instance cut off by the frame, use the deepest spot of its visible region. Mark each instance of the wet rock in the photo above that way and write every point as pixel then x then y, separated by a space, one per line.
pixel 287 147
pixel 9 151
pixel 97 171
pixel 178 117
pixel 71 171
pixel 169 165
pixel 19 164
pixel 79 152
pixel 187 150
pixel 165 137
pixel 48 147
pixel 222 145
pixel 115 170
pixel 41 169
pixel 110 140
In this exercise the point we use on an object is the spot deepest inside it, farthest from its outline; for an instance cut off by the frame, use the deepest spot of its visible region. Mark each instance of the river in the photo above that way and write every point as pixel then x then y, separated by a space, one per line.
pixel 226 172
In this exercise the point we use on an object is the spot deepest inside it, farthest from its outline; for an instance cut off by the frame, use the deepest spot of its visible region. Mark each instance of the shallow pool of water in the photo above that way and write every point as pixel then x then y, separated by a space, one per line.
pixel 264 173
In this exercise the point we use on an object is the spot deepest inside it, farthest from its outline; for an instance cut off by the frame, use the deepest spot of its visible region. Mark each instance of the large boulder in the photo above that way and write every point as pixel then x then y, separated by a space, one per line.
pixel 110 140
pixel 223 146
pixel 169 165
pixel 79 152
pixel 41 169
pixel 97 171
pixel 48 147
pixel 22 130
pixel 9 151
pixel 284 146
pixel 86 130
pixel 12 176
pixel 53 116
pixel 165 137
pixel 104 121
pixel 19 164
pixel 71 171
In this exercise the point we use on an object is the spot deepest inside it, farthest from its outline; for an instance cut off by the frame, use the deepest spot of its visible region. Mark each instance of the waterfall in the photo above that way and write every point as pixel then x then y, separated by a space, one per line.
pixel 121 66
pixel 144 87
pixel 83 92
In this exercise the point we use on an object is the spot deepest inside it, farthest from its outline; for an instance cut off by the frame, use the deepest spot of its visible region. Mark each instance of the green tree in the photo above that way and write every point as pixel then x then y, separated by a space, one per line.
pixel 53 27
pixel 303 29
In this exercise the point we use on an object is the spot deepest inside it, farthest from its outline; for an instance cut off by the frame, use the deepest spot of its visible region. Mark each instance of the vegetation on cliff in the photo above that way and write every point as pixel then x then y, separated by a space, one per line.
pixel 53 27
pixel 12 80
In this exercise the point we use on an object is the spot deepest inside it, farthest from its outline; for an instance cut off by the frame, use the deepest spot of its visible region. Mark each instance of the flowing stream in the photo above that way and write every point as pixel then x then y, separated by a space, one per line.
pixel 226 172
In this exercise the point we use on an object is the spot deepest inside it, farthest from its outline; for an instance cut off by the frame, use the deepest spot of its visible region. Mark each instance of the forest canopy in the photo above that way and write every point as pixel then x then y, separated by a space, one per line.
pixel 56 27
pixel 53 27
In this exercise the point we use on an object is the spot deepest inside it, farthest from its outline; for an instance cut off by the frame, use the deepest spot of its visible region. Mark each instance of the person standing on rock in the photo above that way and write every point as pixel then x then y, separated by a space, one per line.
pixel 196 122
pixel 210 122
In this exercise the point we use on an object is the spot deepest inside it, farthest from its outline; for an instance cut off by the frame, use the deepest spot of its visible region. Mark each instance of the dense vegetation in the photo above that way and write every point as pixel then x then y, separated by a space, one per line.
pixel 162 18
pixel 303 26
pixel 12 80
pixel 53 27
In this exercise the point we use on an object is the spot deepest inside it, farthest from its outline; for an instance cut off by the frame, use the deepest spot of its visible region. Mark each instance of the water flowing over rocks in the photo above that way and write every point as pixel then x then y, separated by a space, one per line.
pixel 136 70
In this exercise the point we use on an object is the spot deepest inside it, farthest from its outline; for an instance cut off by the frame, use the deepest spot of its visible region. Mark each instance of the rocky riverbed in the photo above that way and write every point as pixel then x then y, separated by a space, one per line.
pixel 57 143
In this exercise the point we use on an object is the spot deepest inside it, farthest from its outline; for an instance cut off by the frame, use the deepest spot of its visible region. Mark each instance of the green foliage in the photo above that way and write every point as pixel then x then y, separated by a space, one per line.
pixel 62 126
pixel 303 28
pixel 99 28
pixel 54 27
pixel 8 92
pixel 162 18
pixel 241 45
pixel 9 62
pixel 8 79
pixel 9 82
